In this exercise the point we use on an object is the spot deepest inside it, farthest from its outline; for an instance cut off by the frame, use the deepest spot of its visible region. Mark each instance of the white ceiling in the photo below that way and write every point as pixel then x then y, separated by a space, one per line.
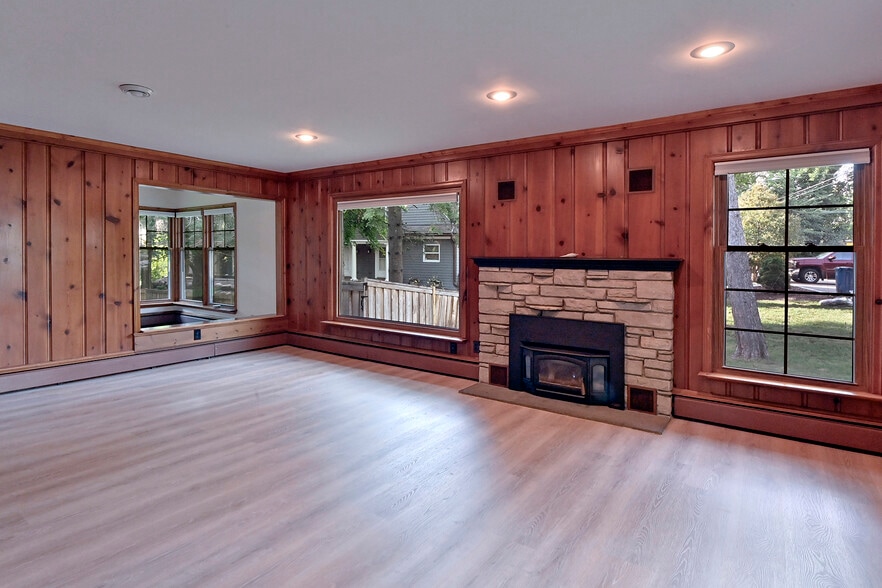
pixel 233 79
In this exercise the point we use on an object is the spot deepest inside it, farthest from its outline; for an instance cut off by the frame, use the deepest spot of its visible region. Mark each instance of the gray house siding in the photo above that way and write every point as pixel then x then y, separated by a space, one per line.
pixel 444 270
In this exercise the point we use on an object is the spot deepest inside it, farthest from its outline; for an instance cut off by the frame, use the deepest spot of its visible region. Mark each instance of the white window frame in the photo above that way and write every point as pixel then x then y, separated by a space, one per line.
pixel 428 254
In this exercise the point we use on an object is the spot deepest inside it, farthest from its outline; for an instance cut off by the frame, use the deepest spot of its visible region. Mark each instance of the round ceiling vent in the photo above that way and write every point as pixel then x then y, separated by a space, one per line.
pixel 135 90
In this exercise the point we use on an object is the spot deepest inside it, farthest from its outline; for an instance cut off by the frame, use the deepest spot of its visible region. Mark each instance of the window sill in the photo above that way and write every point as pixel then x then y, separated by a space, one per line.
pixel 428 334
pixel 843 389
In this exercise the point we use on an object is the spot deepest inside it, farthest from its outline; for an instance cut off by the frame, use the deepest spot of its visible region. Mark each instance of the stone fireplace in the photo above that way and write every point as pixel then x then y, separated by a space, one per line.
pixel 638 294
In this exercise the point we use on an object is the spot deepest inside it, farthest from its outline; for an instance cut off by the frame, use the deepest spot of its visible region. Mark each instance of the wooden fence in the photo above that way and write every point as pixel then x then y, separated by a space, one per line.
pixel 390 301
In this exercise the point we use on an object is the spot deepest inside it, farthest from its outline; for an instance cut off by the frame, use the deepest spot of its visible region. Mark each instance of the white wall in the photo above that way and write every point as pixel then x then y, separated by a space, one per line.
pixel 256 266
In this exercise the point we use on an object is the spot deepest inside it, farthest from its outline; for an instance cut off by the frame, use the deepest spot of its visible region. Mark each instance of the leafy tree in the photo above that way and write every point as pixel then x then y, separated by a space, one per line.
pixel 771 273
pixel 365 223
pixel 745 312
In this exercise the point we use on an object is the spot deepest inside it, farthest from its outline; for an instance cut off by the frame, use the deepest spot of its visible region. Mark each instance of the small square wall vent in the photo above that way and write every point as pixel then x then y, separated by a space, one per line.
pixel 641 399
pixel 506 190
pixel 640 180
pixel 499 375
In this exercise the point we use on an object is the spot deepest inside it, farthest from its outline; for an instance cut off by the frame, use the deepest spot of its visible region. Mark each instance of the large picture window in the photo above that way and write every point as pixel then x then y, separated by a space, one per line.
pixel 188 255
pixel 384 244
pixel 789 265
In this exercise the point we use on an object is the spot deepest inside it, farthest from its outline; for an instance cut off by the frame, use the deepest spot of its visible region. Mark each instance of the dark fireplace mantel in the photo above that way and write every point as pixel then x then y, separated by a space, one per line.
pixel 667 264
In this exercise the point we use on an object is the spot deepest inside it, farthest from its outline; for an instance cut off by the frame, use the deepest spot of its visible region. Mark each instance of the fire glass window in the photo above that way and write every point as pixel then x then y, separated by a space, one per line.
pixel 400 233
pixel 789 265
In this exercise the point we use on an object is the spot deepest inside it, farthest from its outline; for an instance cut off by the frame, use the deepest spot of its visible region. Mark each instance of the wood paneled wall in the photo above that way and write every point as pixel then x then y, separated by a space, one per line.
pixel 67 222
pixel 572 196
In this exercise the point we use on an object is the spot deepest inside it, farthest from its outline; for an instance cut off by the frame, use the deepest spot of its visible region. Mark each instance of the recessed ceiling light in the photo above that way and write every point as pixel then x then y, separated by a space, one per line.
pixel 712 50
pixel 306 137
pixel 135 90
pixel 501 95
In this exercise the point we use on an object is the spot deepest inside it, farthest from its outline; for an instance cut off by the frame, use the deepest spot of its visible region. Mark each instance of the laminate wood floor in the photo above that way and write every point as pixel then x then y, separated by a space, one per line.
pixel 287 467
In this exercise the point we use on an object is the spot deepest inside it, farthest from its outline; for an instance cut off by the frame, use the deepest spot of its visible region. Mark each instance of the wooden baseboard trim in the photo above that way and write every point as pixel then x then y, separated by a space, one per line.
pixel 104 367
pixel 449 366
pixel 803 427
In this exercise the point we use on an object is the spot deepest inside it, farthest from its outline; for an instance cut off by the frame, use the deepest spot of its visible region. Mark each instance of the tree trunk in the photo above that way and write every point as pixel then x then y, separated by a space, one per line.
pixel 395 238
pixel 745 313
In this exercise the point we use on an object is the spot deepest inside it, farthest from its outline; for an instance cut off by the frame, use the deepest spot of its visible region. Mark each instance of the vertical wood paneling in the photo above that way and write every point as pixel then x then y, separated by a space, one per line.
pixel 399 178
pixel 540 204
pixel 238 183
pixel 166 173
pixel 319 272
pixel 390 178
pixel 616 201
pixel 204 178
pixel 144 170
pixel 518 246
pixel 297 264
pixel 13 291
pixel 699 268
pixel 222 181
pixel 676 228
pixel 676 243
pixel 187 176
pixel 645 210
pixel 782 132
pixel 119 245
pixel 339 184
pixel 497 213
pixel 474 238
pixel 37 253
pixel 563 204
pixel 423 175
pixel 94 253
pixel 362 181
pixel 66 247
pixel 863 123
pixel 590 205
pixel 457 171
pixel 744 137
pixel 824 128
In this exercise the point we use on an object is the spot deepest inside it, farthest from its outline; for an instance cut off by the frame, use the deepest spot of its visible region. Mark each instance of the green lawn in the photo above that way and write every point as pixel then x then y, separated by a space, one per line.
pixel 809 356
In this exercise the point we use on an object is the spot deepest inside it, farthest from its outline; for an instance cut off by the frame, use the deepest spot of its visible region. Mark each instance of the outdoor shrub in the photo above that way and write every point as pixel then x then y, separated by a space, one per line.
pixel 772 274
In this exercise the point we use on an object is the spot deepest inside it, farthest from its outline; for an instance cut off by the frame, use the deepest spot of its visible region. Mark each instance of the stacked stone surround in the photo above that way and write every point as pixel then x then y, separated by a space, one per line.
pixel 641 300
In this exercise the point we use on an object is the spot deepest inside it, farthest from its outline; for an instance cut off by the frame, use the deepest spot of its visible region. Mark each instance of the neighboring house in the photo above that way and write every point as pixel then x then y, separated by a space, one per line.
pixel 431 251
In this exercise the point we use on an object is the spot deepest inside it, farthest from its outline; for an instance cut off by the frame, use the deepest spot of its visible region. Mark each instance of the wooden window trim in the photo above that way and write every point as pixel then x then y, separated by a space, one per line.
pixel 333 252
pixel 867 320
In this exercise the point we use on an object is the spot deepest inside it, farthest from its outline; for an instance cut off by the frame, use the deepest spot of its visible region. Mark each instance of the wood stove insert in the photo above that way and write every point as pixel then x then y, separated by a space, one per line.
pixel 580 361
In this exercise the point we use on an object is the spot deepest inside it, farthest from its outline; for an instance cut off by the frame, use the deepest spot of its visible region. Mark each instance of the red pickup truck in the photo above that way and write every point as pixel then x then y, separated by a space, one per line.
pixel 820 267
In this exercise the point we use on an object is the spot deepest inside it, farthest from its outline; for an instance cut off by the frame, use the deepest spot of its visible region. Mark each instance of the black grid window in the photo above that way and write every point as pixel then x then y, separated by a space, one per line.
pixel 789 270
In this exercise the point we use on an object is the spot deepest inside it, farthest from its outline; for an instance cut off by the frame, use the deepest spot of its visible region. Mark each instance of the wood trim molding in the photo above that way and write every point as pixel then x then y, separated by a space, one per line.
pixel 623 264
pixel 106 147
pixel 183 336
pixel 104 367
pixel 451 365
pixel 785 424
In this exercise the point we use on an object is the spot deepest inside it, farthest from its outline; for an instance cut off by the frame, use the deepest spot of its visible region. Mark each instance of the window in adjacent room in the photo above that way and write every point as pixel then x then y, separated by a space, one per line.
pixel 791 279
pixel 189 255
pixel 403 232
pixel 155 254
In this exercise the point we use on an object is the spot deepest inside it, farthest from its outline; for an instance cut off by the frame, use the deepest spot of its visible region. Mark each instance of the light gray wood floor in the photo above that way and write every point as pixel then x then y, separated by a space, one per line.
pixel 287 467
